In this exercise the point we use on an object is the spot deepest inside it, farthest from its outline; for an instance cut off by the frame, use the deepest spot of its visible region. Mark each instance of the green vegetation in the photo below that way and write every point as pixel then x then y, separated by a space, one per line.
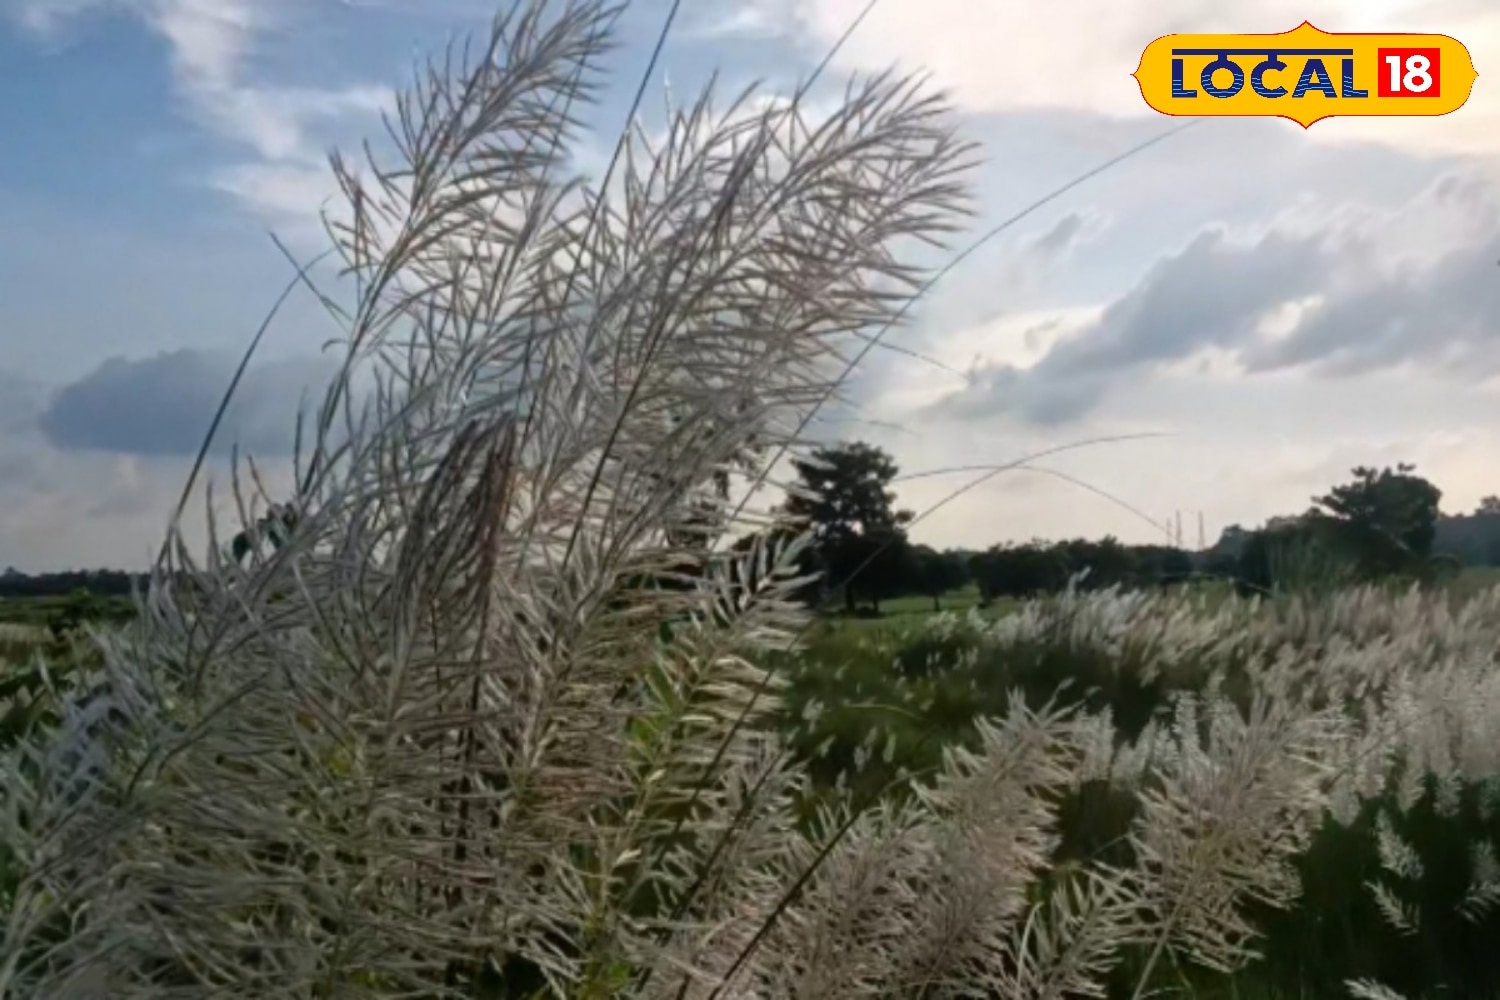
pixel 870 705
pixel 65 611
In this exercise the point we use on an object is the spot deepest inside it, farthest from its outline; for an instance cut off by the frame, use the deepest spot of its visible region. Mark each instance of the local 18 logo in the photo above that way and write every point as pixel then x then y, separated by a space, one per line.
pixel 1305 75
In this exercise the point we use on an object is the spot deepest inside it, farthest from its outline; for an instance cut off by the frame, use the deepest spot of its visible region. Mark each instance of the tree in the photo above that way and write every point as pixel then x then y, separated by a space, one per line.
pixel 1296 555
pixel 1387 518
pixel 1488 506
pixel 1020 570
pixel 938 573
pixel 1096 565
pixel 842 497
pixel 1160 565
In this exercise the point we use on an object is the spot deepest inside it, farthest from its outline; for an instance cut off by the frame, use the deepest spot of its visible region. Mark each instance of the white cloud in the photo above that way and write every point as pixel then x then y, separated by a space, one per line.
pixel 748 20
pixel 277 121
pixel 290 195
pixel 209 38
pixel 212 43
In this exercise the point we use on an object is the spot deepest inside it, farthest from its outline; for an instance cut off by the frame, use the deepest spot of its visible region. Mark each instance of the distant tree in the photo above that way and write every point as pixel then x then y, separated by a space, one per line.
pixel 1161 565
pixel 1387 518
pixel 1232 539
pixel 1472 539
pixel 938 573
pixel 1020 570
pixel 104 582
pixel 843 496
pixel 890 567
pixel 1098 565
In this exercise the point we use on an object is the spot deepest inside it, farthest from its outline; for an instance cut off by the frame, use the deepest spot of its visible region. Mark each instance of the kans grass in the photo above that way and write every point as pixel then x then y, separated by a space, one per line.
pixel 500 716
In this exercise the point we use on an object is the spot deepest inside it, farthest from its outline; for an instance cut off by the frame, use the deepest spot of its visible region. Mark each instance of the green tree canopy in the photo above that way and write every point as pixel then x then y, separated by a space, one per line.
pixel 1388 518
pixel 843 497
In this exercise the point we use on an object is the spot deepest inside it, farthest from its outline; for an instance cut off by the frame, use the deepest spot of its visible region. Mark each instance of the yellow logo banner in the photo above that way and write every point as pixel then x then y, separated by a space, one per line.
pixel 1305 75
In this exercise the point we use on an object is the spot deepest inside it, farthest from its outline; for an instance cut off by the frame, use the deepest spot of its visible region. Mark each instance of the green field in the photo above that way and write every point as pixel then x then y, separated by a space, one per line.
pixel 39 611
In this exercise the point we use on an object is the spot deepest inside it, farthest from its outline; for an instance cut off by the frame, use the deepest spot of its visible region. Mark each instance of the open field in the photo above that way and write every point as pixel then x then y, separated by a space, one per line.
pixel 38 611
pixel 870 702
pixel 899 612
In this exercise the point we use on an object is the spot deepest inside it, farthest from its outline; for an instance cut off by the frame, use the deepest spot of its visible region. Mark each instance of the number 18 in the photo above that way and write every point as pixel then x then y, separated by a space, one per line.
pixel 1409 73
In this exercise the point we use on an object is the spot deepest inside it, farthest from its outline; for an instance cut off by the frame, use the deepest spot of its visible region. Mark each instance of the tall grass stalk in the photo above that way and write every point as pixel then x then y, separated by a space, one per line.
pixel 495 718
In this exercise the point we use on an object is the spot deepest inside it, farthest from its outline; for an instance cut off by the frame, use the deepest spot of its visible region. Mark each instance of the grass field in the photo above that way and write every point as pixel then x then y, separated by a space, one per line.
pixel 41 610
pixel 872 699
pixel 900 612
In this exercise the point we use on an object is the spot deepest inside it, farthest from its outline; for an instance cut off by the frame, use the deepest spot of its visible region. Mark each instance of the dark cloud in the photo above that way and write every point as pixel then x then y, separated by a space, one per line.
pixel 1066 233
pixel 1234 172
pixel 1005 389
pixel 1214 292
pixel 163 405
pixel 1445 317
pixel 1377 308
pixel 1038 257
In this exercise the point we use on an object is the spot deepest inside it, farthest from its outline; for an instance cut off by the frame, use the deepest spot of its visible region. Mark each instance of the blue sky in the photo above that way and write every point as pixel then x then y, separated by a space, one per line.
pixel 1284 304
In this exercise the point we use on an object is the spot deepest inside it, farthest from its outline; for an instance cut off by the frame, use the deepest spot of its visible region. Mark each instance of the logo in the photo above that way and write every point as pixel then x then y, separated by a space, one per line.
pixel 1305 75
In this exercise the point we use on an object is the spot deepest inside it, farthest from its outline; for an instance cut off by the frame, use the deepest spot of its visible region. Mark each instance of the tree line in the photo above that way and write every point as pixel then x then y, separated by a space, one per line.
pixel 100 582
pixel 1382 524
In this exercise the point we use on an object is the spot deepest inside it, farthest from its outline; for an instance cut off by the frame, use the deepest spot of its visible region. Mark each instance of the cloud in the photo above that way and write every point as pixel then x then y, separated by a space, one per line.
pixel 1066 233
pixel 63 508
pixel 277 121
pixel 285 127
pixel 1037 257
pixel 1337 292
pixel 163 405
pixel 209 38
pixel 737 20
pixel 291 195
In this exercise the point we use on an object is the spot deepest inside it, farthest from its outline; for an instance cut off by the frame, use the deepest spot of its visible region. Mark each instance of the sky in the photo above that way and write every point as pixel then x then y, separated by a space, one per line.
pixel 1272 305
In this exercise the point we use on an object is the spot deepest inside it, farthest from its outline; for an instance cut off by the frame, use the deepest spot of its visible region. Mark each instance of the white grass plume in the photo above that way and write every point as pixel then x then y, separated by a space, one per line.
pixel 458 727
